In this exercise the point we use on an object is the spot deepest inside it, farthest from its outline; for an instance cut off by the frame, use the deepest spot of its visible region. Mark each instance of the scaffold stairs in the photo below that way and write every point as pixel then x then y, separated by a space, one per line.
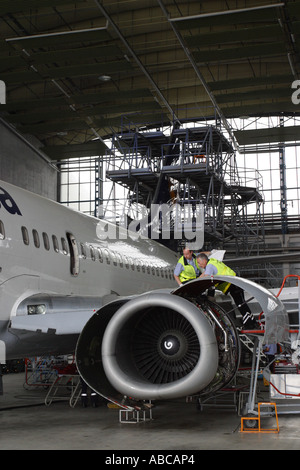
pixel 247 341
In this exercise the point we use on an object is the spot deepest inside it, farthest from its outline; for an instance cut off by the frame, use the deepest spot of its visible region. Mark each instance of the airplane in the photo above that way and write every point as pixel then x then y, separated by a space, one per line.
pixel 70 282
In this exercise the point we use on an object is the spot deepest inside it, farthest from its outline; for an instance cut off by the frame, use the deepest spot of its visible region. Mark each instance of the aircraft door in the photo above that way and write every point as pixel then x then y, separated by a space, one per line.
pixel 74 255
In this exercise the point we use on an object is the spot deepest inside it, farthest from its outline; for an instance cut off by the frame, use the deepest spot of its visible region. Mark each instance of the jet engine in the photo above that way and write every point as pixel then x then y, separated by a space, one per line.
pixel 158 346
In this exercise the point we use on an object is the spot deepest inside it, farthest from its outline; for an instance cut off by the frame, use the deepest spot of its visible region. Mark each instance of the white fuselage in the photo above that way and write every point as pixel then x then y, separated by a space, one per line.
pixel 46 248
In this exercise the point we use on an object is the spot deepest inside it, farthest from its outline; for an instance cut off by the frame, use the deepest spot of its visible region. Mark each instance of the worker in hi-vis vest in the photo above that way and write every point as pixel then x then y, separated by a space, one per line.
pixel 187 267
pixel 213 267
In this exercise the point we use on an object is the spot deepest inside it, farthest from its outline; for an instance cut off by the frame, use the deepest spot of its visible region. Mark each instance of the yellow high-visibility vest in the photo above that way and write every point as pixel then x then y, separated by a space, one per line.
pixel 188 272
pixel 222 270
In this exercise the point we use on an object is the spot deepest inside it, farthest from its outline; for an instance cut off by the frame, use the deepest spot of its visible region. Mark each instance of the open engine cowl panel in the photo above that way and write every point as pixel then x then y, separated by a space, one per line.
pixel 168 344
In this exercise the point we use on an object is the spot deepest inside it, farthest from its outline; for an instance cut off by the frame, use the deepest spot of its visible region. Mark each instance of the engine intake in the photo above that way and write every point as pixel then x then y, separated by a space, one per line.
pixel 158 346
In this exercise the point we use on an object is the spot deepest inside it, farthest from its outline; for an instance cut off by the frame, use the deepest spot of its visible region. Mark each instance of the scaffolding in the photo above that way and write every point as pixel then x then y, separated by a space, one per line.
pixel 193 167
pixel 39 371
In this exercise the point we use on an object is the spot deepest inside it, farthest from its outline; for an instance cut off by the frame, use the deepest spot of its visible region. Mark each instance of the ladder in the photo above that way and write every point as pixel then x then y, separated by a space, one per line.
pixel 65 387
pixel 247 341
pixel 253 424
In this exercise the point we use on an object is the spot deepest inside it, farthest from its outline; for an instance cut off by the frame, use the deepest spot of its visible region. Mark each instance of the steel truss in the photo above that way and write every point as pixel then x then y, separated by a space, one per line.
pixel 191 166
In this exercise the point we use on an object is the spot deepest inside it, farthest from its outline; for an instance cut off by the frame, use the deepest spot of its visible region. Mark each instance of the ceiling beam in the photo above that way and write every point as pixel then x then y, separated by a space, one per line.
pixel 262 109
pixel 160 95
pixel 233 36
pixel 88 149
pixel 53 39
pixel 69 113
pixel 262 94
pixel 238 53
pixel 268 135
pixel 251 81
pixel 200 76
pixel 9 7
pixel 83 99
pixel 237 16
pixel 32 75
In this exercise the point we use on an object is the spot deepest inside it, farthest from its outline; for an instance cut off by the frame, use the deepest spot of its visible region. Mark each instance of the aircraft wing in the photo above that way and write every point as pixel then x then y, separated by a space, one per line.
pixel 56 329
pixel 66 323
pixel 65 315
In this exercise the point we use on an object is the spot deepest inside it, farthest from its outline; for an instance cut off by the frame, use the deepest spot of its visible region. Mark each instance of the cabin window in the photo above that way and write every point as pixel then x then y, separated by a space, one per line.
pixel 46 241
pixel 100 255
pixel 107 256
pixel 64 246
pixel 55 243
pixel 36 238
pixel 25 235
pixel 83 251
pixel 114 258
pixel 119 257
pixel 2 231
pixel 92 251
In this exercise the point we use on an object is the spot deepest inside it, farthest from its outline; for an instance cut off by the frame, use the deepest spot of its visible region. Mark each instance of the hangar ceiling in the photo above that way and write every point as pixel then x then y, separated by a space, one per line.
pixel 76 70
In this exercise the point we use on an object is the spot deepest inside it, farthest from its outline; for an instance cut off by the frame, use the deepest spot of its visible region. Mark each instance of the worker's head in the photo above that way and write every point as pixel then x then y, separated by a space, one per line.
pixel 187 253
pixel 202 260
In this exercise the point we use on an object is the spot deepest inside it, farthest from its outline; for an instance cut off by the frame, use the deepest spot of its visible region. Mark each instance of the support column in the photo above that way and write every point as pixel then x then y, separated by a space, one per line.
pixel 283 199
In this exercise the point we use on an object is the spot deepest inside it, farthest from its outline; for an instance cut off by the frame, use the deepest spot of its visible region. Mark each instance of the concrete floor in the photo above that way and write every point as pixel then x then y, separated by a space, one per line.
pixel 28 424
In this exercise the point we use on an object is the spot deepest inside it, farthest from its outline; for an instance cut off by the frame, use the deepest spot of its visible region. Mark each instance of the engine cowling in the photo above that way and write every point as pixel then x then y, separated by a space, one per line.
pixel 158 346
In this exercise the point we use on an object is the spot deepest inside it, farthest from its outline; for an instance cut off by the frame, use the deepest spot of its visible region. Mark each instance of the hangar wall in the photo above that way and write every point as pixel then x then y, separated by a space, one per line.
pixel 23 164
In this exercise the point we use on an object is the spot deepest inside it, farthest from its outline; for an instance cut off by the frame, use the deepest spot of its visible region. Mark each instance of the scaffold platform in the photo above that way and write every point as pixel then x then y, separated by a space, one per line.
pixel 190 165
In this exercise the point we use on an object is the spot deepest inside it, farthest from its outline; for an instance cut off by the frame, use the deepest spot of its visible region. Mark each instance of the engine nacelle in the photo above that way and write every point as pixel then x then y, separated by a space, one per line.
pixel 158 346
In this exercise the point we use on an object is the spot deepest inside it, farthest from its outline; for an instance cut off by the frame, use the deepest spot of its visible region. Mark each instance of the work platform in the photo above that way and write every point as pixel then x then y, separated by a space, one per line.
pixel 145 178
pixel 282 375
pixel 190 166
